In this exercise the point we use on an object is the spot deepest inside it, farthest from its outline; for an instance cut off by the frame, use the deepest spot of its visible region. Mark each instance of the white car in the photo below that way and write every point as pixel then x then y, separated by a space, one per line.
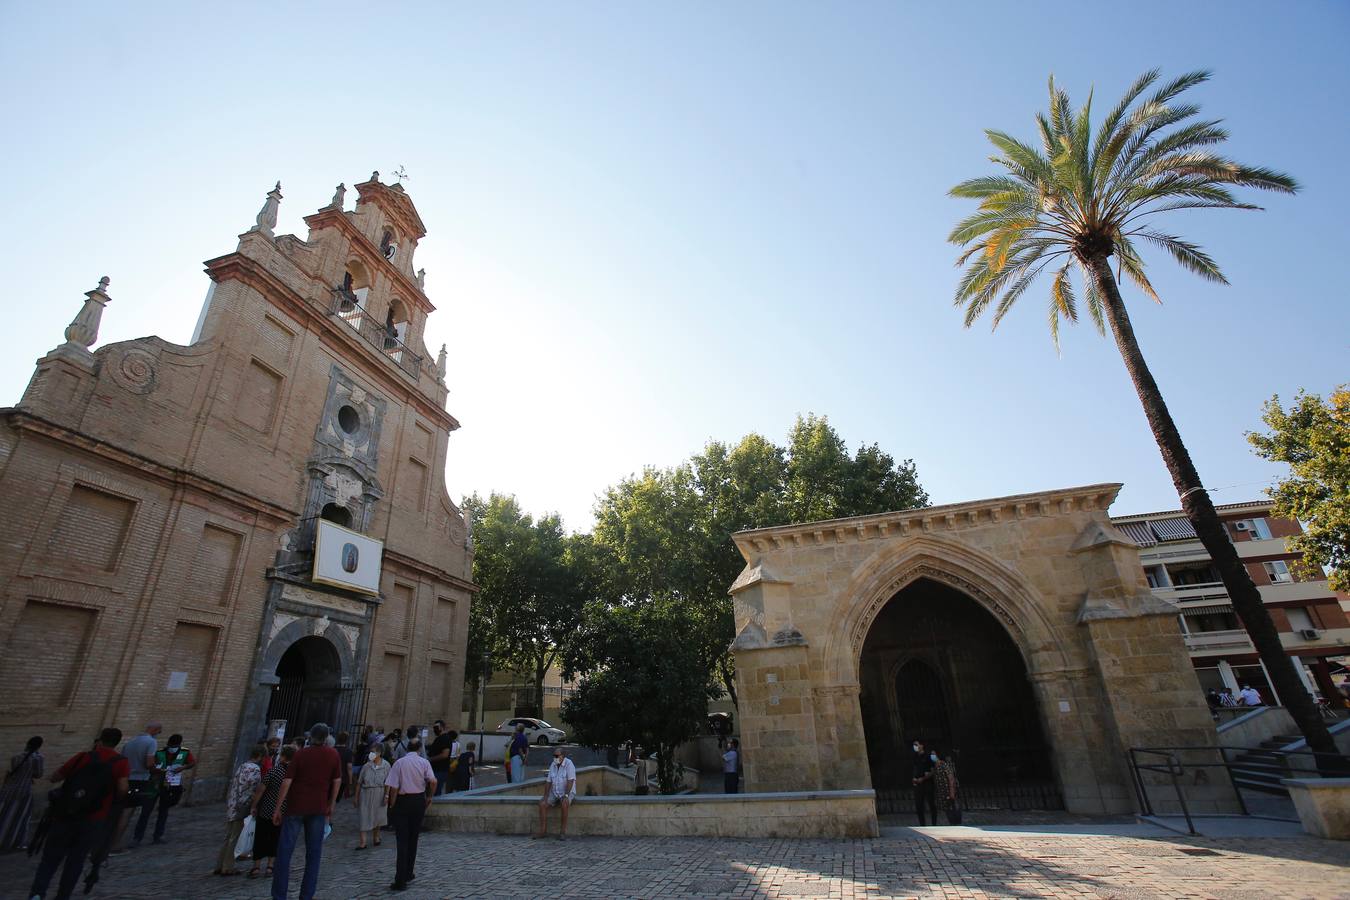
pixel 537 730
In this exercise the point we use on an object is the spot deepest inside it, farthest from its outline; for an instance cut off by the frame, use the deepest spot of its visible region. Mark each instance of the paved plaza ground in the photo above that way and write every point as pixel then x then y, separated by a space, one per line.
pixel 1056 856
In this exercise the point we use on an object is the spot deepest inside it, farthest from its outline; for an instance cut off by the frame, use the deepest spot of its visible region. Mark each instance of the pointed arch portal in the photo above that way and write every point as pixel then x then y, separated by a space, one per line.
pixel 937 666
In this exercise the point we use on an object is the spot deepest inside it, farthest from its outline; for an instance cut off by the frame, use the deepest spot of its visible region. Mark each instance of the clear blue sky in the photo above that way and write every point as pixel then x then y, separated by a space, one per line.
pixel 650 227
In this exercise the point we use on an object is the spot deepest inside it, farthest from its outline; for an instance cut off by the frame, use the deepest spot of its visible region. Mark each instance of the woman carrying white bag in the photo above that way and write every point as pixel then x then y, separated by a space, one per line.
pixel 237 802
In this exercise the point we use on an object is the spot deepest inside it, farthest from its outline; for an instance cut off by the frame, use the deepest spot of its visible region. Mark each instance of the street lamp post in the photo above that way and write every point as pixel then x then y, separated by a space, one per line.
pixel 482 695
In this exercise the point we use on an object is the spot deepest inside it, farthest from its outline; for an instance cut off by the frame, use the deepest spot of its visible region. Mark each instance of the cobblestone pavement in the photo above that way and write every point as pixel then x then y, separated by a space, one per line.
pixel 906 863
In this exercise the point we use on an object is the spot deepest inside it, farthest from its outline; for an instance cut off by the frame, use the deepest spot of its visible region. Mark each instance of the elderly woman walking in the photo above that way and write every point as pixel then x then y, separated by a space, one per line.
pixel 16 797
pixel 369 795
pixel 238 802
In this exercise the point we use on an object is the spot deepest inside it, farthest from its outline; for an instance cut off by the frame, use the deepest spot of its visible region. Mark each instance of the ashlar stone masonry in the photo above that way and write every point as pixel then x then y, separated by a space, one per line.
pixel 1105 659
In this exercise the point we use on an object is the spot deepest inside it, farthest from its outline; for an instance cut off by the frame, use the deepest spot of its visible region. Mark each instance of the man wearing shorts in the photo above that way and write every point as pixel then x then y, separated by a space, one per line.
pixel 559 790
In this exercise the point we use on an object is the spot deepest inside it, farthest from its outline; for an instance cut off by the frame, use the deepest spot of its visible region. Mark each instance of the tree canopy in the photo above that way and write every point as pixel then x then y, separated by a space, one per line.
pixel 643 682
pixel 1313 437
pixel 534 581
pixel 667 532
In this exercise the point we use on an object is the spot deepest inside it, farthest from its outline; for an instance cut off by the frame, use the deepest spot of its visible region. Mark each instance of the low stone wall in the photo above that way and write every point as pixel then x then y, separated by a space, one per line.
pixel 1323 805
pixel 1254 726
pixel 592 781
pixel 806 814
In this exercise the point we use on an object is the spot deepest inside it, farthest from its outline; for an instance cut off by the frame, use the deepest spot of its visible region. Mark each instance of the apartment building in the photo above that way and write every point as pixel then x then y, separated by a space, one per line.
pixel 1311 618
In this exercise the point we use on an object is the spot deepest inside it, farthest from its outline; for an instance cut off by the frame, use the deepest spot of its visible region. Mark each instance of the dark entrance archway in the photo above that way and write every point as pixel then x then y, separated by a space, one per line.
pixel 937 666
pixel 310 685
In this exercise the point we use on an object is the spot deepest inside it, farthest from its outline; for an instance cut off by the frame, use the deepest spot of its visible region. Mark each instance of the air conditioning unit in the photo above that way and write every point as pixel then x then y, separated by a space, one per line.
pixel 1310 634
pixel 1243 526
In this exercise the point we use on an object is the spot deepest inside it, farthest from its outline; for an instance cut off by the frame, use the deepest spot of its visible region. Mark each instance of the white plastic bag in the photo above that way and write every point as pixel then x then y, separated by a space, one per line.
pixel 244 846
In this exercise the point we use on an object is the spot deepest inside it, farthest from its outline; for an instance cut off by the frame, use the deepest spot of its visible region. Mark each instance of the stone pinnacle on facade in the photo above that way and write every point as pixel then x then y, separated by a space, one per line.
pixel 267 216
pixel 82 331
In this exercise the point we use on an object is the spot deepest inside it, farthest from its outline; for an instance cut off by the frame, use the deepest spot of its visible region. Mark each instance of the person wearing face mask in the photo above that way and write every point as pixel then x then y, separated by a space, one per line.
pixel 369 795
pixel 924 789
pixel 170 764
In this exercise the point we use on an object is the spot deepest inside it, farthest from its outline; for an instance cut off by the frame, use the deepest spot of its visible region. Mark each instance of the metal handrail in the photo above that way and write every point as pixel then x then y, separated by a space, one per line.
pixel 348 308
pixel 1171 765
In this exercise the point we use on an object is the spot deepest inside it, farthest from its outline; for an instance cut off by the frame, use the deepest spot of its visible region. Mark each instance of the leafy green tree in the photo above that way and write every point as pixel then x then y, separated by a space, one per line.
pixel 1087 195
pixel 668 531
pixel 643 681
pixel 533 584
pixel 1313 437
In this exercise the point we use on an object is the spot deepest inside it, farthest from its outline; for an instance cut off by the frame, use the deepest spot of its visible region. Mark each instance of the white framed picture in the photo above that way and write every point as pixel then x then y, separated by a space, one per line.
pixel 347 559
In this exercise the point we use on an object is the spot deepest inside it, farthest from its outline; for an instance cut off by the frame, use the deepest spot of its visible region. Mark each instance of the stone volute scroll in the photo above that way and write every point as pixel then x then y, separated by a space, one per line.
pixel 267 216
pixel 422 279
pixel 440 365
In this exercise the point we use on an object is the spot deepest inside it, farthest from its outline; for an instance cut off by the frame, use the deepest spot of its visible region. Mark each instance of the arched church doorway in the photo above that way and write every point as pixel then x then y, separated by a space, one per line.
pixel 938 666
pixel 309 685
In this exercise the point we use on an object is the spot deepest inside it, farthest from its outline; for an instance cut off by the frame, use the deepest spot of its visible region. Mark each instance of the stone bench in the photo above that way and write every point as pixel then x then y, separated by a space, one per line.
pixel 1323 805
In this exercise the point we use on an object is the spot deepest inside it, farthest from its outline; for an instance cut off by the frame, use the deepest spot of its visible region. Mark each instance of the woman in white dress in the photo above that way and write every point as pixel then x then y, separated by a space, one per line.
pixel 369 795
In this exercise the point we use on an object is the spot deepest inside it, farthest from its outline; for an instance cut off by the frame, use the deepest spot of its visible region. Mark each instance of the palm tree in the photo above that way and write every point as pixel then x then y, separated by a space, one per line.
pixel 1081 199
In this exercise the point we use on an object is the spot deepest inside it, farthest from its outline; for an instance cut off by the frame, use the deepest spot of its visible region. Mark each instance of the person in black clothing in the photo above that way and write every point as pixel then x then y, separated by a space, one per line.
pixel 925 791
pixel 439 755
pixel 463 774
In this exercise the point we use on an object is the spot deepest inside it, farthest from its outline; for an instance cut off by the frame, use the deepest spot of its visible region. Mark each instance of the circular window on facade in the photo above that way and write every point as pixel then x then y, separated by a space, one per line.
pixel 349 420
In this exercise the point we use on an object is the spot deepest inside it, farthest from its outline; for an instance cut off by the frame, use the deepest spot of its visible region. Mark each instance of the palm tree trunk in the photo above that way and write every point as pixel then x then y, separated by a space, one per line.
pixel 1200 510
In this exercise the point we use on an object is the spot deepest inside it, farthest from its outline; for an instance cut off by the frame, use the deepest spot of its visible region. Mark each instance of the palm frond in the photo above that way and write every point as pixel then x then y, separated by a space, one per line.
pixel 1023 155
pixel 1062 302
pixel 1092 298
pixel 1188 255
pixel 978 188
pixel 1133 266
pixel 1109 139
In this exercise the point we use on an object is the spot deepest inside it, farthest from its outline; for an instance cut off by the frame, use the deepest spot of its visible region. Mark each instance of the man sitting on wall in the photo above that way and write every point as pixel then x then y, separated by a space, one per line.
pixel 560 789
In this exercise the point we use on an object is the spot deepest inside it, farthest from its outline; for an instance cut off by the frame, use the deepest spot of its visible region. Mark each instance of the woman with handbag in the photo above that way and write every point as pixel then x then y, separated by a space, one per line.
pixel 238 801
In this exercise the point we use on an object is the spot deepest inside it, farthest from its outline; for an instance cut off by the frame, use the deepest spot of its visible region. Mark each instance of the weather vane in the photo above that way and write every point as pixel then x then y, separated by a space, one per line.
pixel 401 174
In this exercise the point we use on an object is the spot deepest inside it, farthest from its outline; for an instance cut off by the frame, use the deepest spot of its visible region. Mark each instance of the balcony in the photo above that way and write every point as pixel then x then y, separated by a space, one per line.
pixel 346 308
pixel 1219 641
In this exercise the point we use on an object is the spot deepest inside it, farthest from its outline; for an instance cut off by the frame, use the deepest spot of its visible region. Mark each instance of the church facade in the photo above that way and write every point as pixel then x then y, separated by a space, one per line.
pixel 169 506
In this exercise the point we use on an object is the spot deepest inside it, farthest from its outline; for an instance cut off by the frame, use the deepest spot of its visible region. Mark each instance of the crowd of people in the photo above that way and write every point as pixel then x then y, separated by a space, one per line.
pixel 103 799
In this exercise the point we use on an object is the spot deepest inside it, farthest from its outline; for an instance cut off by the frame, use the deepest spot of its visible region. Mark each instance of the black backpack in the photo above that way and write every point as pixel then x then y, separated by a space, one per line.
pixel 84 791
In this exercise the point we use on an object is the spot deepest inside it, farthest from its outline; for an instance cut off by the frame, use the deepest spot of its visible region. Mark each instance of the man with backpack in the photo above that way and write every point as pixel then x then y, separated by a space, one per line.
pixel 80 810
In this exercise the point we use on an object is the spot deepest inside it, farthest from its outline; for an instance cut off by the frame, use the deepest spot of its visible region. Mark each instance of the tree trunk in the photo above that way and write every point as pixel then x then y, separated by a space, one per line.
pixel 1199 509
pixel 728 679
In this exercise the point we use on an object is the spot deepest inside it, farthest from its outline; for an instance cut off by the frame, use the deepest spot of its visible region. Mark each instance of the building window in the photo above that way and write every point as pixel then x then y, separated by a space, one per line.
pixel 1192 574
pixel 1209 622
pixel 1278 570
pixel 1258 529
pixel 1299 620
pixel 1157 576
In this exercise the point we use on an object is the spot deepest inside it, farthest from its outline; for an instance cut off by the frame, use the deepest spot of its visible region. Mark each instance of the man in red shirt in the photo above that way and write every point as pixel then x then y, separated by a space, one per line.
pixel 94 780
pixel 308 793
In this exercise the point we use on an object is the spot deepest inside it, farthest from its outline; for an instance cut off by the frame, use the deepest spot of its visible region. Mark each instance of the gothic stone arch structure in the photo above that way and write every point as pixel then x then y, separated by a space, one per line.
pixel 1105 658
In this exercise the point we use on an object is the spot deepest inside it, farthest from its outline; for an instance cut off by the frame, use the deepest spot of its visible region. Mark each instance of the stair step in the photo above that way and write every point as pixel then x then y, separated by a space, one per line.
pixel 1261 786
